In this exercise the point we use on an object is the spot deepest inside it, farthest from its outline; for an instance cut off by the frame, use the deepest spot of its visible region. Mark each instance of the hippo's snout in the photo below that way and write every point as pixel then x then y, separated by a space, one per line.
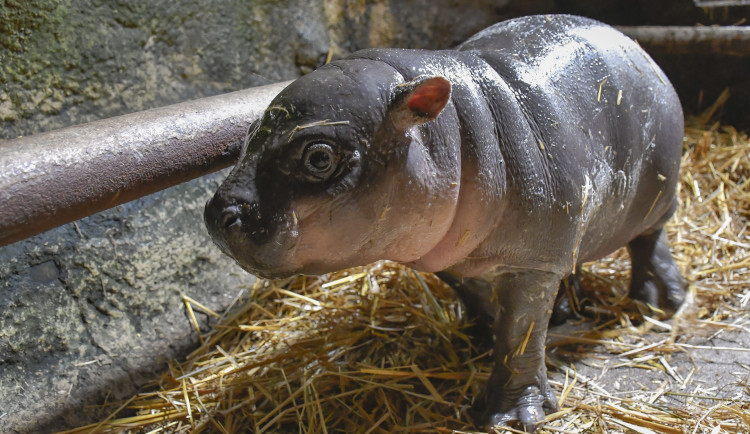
pixel 228 219
pixel 239 229
pixel 222 221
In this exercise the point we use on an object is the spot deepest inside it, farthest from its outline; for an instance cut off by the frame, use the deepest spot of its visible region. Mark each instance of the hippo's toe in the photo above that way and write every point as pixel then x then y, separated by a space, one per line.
pixel 528 409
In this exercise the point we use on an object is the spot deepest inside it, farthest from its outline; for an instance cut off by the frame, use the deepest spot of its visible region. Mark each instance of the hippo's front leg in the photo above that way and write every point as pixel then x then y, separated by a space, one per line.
pixel 518 388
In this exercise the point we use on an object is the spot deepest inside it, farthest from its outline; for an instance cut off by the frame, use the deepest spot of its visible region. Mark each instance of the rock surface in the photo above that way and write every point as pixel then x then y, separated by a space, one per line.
pixel 89 310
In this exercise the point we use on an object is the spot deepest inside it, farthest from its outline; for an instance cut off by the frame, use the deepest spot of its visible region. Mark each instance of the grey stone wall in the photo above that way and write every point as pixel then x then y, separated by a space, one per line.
pixel 73 61
pixel 89 311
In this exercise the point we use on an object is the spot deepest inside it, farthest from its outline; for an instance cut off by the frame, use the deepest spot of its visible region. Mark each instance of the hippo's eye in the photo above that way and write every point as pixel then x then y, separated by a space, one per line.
pixel 320 160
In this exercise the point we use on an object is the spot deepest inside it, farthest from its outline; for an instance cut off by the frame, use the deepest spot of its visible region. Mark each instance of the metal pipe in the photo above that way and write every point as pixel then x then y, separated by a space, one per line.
pixel 726 40
pixel 53 178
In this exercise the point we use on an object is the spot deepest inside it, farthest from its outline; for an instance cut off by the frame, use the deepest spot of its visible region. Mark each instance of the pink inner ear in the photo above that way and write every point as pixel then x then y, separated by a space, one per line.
pixel 430 97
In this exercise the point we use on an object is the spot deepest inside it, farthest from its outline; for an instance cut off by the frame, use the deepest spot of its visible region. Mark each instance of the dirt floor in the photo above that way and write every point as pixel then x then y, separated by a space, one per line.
pixel 706 373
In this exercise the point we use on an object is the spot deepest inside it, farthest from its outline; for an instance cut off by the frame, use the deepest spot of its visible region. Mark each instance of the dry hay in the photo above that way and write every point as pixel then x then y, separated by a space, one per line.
pixel 384 349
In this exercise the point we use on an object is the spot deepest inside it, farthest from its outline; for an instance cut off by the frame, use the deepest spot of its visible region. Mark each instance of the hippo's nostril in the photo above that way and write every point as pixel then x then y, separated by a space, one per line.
pixel 230 217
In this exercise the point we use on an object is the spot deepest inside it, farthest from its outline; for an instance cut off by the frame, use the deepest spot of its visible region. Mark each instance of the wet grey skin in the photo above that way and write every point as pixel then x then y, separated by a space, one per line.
pixel 539 144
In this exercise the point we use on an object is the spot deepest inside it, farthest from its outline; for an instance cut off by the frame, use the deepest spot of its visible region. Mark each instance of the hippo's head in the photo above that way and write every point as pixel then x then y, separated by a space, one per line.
pixel 336 174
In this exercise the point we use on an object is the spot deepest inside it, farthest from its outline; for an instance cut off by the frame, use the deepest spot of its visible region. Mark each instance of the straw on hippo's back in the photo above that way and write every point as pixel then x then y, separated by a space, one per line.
pixel 538 144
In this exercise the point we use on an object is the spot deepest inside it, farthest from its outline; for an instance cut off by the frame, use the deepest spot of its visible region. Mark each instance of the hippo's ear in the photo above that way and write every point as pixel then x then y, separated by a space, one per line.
pixel 419 101
pixel 249 136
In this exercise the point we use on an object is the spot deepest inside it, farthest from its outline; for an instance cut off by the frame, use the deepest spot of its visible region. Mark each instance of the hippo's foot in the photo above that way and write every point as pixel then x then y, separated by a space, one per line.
pixel 527 407
pixel 656 281
pixel 569 297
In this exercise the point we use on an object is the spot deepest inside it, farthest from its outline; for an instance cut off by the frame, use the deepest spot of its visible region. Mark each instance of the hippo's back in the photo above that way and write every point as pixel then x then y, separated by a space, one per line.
pixel 604 116
pixel 529 37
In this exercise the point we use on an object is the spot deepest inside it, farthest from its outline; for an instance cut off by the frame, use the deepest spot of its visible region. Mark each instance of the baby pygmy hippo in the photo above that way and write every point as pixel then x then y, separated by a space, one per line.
pixel 538 144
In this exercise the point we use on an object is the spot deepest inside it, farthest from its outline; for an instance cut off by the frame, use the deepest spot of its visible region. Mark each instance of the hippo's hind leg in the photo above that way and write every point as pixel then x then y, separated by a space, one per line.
pixel 657 281
pixel 475 294
pixel 569 298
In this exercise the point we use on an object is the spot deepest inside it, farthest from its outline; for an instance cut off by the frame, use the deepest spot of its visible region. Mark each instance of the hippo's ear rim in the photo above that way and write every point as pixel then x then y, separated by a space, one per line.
pixel 251 131
pixel 420 100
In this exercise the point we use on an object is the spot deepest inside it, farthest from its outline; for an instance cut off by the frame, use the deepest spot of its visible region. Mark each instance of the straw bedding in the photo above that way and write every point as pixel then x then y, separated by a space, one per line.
pixel 384 349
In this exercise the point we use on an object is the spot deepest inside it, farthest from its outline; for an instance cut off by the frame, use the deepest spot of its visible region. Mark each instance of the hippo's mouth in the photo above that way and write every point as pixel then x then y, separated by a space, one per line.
pixel 273 259
pixel 266 272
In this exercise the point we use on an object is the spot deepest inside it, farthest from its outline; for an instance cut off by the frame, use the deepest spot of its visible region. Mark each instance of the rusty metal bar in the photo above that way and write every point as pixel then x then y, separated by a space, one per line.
pixel 726 40
pixel 53 178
